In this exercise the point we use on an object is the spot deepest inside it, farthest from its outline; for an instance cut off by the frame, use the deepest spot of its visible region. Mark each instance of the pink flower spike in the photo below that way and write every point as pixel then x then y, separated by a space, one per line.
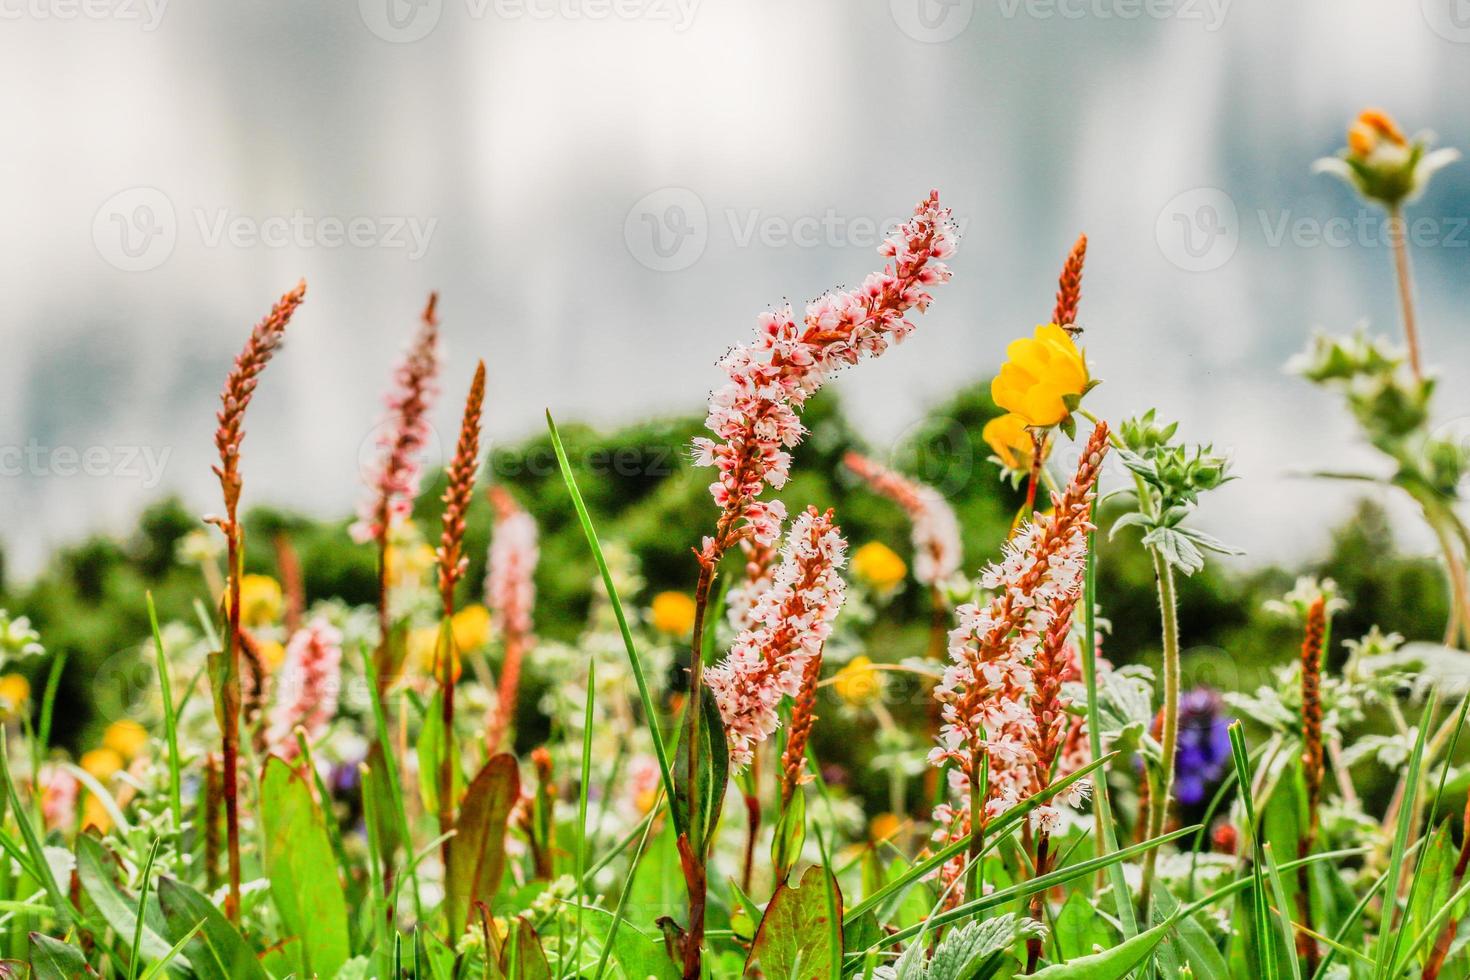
pixel 307 686
pixel 790 623
pixel 754 414
pixel 1000 694
pixel 395 473
pixel 936 531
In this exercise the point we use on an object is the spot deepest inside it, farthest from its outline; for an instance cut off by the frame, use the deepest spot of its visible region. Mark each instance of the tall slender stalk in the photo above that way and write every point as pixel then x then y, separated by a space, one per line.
pixel 1313 770
pixel 1169 730
pixel 1397 228
pixel 234 400
pixel 452 566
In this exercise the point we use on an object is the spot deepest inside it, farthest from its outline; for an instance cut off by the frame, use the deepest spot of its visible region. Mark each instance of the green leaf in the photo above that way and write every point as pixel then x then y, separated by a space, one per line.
pixel 977 948
pixel 1110 964
pixel 650 714
pixel 1389 938
pixel 477 850
pixel 713 776
pixel 432 745
pixel 217 952
pixel 1079 930
pixel 94 871
pixel 1195 943
pixel 792 940
pixel 790 835
pixel 52 959
pixel 303 870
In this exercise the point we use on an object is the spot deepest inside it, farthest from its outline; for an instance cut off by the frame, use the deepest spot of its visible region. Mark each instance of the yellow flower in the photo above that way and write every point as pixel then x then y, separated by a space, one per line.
pixel 423 652
pixel 1370 129
pixel 126 738
pixel 858 682
pixel 1010 438
pixel 102 763
pixel 260 600
pixel 885 826
pixel 471 627
pixel 406 563
pixel 879 566
pixel 673 613
pixel 15 691
pixel 1040 375
pixel 273 654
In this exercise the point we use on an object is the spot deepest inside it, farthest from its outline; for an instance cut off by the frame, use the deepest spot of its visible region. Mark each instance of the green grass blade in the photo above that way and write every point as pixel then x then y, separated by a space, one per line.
pixel 612 929
pixel 1283 911
pixel 1003 896
pixel 135 951
pixel 177 948
pixel 40 868
pixel 649 713
pixel 582 803
pixel 1432 928
pixel 390 764
pixel 170 722
pixel 1263 932
pixel 1444 771
pixel 1352 919
pixel 1388 948
pixel 1104 809
pixel 996 833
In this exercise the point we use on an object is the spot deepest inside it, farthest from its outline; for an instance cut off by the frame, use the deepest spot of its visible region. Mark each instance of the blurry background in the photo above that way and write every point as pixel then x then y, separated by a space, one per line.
pixel 606 192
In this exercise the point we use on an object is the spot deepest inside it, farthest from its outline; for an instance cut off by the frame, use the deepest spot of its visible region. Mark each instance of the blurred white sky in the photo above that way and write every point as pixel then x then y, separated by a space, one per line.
pixel 171 168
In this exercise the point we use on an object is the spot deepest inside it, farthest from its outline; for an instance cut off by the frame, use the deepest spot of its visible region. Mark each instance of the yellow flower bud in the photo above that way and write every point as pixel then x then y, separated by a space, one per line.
pixel 102 763
pixel 858 682
pixel 127 738
pixel 878 566
pixel 673 613
pixel 1010 438
pixel 261 600
pixel 1040 375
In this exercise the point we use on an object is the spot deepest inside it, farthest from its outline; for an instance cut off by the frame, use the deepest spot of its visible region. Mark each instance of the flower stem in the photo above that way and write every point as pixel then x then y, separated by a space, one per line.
pixel 231 721
pixel 695 877
pixel 1107 836
pixel 1169 736
pixel 1396 238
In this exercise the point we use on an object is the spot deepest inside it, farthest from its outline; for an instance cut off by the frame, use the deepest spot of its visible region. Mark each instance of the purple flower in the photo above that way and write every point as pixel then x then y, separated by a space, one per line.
pixel 1204 744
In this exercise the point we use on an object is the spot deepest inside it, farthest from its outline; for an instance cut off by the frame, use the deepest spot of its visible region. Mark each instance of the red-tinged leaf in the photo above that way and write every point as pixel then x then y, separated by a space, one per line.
pixel 477 850
pixel 795 935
